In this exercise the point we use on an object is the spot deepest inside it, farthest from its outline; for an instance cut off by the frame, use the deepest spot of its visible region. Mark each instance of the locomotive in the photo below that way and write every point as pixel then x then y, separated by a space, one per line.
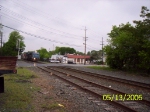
pixel 30 56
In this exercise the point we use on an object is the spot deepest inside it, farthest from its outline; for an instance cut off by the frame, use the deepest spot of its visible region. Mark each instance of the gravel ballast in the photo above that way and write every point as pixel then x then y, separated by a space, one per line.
pixel 80 101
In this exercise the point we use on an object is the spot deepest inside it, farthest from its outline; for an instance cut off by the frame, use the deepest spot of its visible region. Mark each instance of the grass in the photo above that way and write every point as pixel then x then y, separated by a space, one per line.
pixel 101 68
pixel 18 92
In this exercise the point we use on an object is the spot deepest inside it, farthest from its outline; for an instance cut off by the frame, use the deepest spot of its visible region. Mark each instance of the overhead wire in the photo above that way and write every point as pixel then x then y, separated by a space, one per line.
pixel 46 26
pixel 42 12
pixel 37 23
pixel 15 19
pixel 45 30
pixel 37 11
pixel 91 46
pixel 41 29
pixel 40 36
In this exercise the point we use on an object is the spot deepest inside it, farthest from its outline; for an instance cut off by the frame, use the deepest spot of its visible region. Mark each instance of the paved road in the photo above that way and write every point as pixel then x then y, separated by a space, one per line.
pixel 32 64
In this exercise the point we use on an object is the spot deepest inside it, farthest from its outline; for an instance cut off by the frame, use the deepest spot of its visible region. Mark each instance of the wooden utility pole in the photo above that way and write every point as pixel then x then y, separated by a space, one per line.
pixel 85 39
pixel 1 34
pixel 1 39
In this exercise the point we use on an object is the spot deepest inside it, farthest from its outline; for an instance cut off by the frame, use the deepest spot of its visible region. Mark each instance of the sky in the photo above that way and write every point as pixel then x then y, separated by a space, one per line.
pixel 66 23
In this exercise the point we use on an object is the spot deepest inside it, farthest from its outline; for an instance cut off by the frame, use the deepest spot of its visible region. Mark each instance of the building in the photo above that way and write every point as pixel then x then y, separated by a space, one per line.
pixel 70 58
pixel 79 59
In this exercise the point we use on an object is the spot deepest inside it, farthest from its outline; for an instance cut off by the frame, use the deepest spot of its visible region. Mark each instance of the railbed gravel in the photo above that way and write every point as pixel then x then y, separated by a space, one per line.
pixel 80 99
pixel 72 94
pixel 113 85
pixel 123 89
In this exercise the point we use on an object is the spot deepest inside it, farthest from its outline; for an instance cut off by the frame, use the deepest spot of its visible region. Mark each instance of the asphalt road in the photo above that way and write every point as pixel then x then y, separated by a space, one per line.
pixel 32 64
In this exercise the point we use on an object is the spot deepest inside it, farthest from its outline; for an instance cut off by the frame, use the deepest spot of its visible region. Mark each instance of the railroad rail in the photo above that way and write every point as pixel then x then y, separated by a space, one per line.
pixel 92 84
pixel 140 85
pixel 33 62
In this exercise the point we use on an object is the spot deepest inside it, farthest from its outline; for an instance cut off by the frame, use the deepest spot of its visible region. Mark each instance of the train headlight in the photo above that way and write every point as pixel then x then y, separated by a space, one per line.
pixel 34 58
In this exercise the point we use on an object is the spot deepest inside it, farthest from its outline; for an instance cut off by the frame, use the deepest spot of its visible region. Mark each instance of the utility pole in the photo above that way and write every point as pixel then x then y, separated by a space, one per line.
pixel 1 39
pixel 1 34
pixel 102 49
pixel 85 38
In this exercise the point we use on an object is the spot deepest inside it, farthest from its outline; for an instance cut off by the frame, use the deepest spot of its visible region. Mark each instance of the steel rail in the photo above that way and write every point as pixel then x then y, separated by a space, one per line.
pixel 125 81
pixel 100 86
pixel 115 103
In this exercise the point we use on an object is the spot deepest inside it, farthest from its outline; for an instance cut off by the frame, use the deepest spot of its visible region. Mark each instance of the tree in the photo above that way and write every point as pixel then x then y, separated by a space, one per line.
pixel 64 50
pixel 129 45
pixel 43 53
pixel 9 48
pixel 95 55
pixel 143 31
pixel 121 46
pixel 79 53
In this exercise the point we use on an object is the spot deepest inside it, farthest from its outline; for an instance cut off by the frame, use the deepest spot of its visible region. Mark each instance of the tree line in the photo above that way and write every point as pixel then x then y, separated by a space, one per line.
pixel 10 48
pixel 129 45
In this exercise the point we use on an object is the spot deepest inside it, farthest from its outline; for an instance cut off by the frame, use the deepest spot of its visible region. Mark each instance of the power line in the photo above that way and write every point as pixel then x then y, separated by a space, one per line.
pixel 90 46
pixel 36 27
pixel 37 11
pixel 7 16
pixel 37 23
pixel 39 36
pixel 1 34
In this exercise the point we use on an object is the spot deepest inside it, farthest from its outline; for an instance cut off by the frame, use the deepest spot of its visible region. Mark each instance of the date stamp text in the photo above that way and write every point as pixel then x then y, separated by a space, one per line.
pixel 120 97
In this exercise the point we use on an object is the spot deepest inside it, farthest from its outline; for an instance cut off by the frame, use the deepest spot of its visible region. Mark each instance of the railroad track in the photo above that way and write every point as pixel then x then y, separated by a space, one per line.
pixel 139 85
pixel 33 62
pixel 98 91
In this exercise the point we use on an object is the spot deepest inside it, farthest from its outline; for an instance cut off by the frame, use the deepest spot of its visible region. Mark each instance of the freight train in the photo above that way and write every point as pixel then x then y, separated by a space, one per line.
pixel 30 56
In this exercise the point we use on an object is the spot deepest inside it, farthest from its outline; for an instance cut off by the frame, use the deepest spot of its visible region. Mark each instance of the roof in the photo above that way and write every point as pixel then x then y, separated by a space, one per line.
pixel 78 56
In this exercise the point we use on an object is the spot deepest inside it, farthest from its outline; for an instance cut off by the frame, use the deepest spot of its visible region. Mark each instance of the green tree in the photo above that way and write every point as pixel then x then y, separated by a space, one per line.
pixel 9 48
pixel 64 50
pixel 80 53
pixel 143 31
pixel 95 55
pixel 121 48
pixel 43 53
pixel 129 45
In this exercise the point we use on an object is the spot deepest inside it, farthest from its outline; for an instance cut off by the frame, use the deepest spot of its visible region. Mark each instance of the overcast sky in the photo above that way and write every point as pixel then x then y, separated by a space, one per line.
pixel 63 22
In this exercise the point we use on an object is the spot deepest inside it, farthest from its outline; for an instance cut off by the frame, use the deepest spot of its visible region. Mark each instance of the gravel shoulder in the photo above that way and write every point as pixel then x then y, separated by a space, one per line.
pixel 46 98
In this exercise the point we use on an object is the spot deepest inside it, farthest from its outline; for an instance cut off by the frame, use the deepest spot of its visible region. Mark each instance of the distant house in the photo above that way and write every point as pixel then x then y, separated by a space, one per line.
pixel 77 58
